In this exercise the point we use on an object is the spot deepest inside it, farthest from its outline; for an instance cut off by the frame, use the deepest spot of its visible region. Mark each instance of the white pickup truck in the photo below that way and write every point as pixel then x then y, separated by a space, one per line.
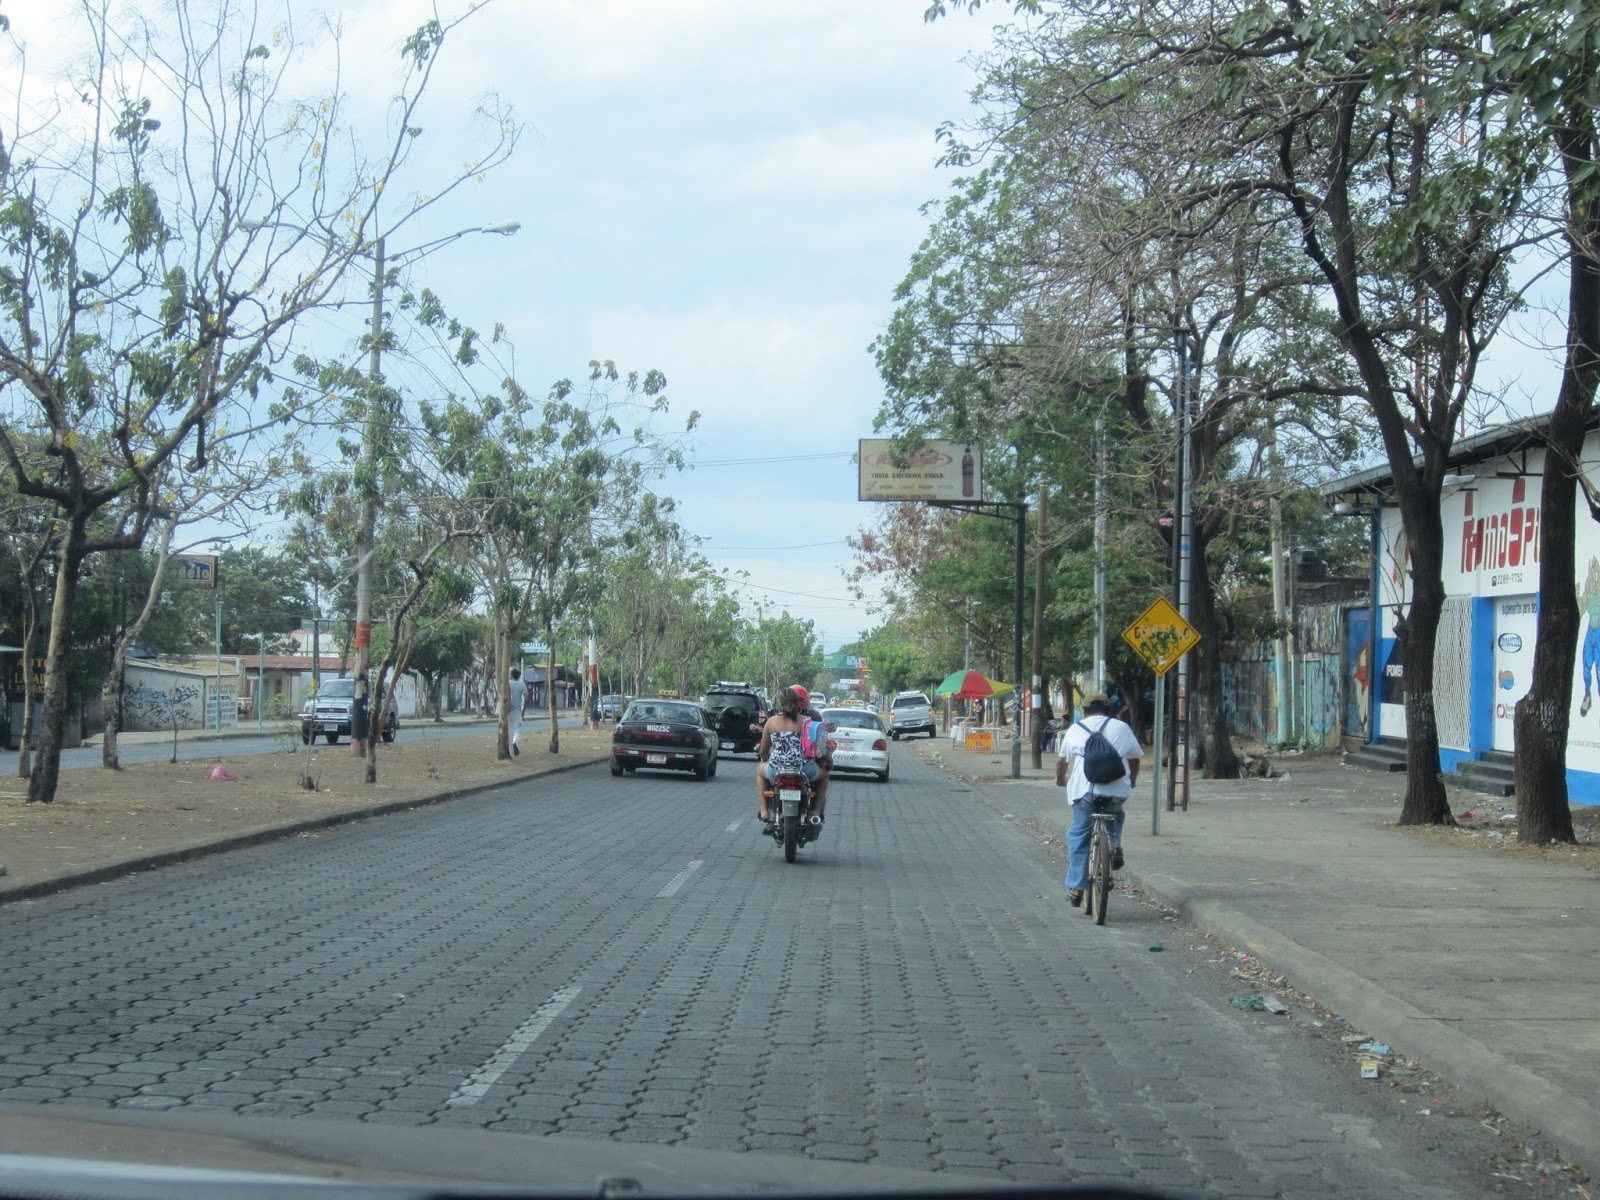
pixel 911 712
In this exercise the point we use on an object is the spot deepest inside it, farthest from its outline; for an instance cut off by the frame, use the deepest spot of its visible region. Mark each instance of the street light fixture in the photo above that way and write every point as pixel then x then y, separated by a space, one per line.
pixel 369 454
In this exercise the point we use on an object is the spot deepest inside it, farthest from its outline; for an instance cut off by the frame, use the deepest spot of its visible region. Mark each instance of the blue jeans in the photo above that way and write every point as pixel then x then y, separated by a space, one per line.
pixel 1078 840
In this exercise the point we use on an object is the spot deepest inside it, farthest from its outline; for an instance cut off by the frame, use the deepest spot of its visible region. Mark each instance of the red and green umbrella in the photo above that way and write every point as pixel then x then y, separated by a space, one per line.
pixel 972 685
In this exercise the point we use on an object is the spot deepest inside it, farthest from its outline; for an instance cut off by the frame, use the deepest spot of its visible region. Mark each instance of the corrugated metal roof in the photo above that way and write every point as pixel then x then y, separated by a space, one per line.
pixel 1497 440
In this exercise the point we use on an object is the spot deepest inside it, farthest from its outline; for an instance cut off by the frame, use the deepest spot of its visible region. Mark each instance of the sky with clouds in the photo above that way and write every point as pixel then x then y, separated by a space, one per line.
pixel 723 190
pixel 728 192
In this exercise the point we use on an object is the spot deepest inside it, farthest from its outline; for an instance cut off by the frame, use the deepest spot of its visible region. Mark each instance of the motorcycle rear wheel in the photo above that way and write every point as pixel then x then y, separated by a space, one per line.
pixel 791 837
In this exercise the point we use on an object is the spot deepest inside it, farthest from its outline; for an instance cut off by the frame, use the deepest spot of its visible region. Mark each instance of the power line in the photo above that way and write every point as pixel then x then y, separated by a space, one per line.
pixel 802 546
pixel 745 462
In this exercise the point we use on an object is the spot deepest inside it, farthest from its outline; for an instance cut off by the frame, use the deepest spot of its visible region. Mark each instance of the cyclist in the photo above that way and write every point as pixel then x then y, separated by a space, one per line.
pixel 1097 718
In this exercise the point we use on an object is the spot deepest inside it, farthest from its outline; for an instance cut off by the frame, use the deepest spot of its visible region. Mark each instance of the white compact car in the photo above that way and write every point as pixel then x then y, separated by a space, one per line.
pixel 860 742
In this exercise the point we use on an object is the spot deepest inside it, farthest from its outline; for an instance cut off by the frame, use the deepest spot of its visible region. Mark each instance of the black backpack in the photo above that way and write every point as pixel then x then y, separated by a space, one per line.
pixel 1101 762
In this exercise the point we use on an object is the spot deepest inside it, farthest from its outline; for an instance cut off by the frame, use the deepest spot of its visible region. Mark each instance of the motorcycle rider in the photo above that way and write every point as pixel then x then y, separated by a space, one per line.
pixel 821 749
pixel 780 749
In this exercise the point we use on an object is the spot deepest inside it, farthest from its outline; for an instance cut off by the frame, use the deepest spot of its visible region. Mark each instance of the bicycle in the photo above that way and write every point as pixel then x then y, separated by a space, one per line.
pixel 1097 887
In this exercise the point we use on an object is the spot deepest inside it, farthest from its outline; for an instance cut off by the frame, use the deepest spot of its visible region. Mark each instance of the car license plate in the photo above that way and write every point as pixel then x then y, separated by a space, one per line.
pixel 726 745
pixel 655 760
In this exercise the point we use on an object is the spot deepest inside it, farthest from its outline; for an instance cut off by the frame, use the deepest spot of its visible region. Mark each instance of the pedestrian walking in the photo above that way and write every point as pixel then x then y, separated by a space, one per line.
pixel 516 701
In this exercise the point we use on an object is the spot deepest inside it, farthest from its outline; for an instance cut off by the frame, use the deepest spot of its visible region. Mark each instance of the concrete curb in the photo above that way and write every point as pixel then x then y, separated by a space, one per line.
pixel 263 834
pixel 239 732
pixel 1567 1120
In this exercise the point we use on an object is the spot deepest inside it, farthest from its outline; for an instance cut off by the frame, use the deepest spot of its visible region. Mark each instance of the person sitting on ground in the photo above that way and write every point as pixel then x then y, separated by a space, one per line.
pixel 779 749
pixel 1097 718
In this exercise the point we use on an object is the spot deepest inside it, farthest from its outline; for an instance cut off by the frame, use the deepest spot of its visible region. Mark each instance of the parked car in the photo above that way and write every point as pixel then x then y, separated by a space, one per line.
pixel 611 707
pixel 328 712
pixel 664 734
pixel 860 742
pixel 736 712
pixel 912 712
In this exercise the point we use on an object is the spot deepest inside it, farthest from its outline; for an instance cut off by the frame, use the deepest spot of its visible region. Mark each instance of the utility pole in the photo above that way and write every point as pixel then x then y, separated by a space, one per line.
pixel 1036 697
pixel 1279 607
pixel 1186 540
pixel 368 519
pixel 1180 548
pixel 1099 556
pixel 219 661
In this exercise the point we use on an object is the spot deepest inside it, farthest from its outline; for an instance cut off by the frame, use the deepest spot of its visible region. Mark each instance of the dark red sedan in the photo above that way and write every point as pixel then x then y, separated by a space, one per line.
pixel 664 735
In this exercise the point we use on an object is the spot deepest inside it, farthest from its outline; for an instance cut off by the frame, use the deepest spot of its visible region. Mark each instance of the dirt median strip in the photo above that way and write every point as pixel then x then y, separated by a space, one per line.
pixel 108 823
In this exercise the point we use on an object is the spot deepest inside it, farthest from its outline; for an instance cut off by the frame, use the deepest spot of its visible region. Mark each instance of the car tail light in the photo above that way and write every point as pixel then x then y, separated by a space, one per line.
pixel 880 744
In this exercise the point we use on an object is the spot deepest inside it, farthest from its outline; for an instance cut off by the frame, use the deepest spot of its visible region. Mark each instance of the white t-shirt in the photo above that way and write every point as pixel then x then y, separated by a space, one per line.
pixel 1075 737
pixel 518 698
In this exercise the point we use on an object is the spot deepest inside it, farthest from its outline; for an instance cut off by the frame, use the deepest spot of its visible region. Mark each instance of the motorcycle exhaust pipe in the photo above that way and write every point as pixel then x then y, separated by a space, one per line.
pixel 816 819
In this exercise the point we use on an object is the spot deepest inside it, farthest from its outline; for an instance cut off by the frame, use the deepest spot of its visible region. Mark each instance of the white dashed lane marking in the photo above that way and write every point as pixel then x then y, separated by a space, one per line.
pixel 678 880
pixel 481 1080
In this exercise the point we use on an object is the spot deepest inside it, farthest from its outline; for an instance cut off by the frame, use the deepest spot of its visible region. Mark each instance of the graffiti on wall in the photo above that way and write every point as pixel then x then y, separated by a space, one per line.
pixel 161 707
pixel 161 701
pixel 1318 678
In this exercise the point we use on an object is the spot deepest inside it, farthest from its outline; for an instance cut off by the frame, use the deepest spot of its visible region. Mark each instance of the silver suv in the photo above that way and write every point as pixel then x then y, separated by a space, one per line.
pixel 328 713
pixel 911 712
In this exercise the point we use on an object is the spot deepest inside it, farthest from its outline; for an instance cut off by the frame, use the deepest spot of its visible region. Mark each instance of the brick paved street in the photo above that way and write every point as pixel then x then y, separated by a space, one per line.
pixel 626 959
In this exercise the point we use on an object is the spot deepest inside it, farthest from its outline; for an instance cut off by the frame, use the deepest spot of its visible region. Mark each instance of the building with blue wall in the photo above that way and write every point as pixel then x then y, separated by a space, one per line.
pixel 1483 660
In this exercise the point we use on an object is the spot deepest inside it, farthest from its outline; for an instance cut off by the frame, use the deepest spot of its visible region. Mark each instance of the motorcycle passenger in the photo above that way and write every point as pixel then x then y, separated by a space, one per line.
pixel 780 750
pixel 817 747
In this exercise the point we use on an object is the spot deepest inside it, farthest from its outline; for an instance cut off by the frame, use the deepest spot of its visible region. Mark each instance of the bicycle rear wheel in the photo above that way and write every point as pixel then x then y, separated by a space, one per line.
pixel 1100 880
pixel 1088 883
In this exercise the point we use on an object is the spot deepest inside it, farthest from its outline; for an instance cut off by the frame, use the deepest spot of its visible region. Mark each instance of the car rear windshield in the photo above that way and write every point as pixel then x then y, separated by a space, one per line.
pixel 909 701
pixel 852 718
pixel 742 700
pixel 660 710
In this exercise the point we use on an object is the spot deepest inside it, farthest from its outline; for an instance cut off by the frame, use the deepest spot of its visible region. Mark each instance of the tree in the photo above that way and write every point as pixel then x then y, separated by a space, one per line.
pixel 155 250
pixel 549 477
pixel 29 530
pixel 1545 63
pixel 1405 211
pixel 1051 289
pixel 445 646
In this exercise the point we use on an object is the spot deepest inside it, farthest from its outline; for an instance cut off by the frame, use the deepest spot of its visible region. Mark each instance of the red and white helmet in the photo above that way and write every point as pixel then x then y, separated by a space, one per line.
pixel 805 696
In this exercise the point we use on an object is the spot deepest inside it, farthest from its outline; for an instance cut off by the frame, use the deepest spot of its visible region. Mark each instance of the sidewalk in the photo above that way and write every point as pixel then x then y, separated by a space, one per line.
pixel 1483 965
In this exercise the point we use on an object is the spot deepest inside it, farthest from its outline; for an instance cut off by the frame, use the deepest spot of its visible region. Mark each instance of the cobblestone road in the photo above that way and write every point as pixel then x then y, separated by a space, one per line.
pixel 626 959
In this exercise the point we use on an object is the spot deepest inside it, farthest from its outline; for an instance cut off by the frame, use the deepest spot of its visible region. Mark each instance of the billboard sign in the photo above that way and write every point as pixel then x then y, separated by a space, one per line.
pixel 200 570
pixel 937 470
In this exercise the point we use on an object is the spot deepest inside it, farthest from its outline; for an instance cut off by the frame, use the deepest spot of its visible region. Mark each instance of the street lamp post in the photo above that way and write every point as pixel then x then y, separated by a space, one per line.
pixel 367 524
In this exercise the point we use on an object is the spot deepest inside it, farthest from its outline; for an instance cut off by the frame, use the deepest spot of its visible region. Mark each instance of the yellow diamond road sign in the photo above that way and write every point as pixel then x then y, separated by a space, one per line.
pixel 1161 636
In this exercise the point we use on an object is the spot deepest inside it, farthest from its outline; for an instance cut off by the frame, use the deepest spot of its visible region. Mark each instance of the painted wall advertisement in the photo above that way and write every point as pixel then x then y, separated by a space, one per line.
pixel 1493 547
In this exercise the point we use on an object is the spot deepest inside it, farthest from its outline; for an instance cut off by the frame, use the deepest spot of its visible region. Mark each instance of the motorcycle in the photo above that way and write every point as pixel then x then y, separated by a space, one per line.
pixel 793 824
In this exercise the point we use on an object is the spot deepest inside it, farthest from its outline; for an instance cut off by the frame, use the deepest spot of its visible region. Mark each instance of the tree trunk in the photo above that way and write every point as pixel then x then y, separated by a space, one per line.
pixel 30 636
pixel 1544 716
pixel 550 685
pixel 1426 802
pixel 53 723
pixel 111 708
pixel 502 667
pixel 1216 742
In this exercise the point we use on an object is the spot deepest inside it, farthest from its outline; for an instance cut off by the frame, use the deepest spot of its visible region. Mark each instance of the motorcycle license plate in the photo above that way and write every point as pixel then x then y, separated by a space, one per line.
pixel 789 794
pixel 656 760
